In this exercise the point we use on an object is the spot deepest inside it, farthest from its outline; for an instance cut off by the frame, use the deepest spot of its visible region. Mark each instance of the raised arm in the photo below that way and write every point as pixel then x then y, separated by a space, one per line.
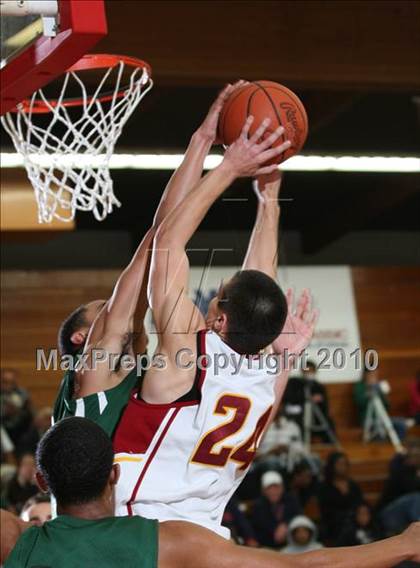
pixel 262 255
pixel 175 316
pixel 263 244
pixel 215 551
pixel 188 174
pixel 169 270
pixel 183 180
pixel 124 313
pixel 112 328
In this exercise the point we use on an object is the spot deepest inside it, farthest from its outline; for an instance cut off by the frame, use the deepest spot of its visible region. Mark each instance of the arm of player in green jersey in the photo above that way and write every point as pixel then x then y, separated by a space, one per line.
pixel 180 544
pixel 11 529
pixel 124 313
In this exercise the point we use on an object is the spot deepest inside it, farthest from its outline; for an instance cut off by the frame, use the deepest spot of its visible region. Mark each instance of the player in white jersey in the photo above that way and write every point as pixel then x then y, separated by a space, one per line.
pixel 186 443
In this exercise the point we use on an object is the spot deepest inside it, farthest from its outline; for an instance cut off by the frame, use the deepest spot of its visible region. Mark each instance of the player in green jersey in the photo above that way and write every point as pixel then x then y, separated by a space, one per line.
pixel 75 462
pixel 115 327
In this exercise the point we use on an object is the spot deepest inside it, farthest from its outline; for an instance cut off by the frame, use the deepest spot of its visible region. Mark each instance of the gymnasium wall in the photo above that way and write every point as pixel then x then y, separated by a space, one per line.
pixel 387 299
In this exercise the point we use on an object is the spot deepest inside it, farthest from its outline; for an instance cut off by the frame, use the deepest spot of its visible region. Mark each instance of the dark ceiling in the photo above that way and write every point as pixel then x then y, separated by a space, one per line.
pixel 356 66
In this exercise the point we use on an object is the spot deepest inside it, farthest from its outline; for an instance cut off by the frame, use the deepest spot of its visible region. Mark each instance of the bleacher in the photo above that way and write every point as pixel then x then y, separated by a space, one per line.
pixel 34 303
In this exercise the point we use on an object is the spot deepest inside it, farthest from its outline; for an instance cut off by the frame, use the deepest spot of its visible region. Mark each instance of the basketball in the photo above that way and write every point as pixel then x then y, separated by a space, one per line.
pixel 265 99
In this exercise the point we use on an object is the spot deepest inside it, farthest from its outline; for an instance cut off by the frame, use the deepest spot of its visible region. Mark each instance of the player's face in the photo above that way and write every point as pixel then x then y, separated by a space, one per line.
pixel 213 311
pixel 38 513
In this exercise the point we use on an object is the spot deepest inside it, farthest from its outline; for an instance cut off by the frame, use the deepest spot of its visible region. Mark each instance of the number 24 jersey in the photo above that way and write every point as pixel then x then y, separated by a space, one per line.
pixel 184 460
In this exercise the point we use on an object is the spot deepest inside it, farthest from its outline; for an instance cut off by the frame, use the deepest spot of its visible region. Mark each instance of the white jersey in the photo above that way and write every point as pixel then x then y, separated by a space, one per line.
pixel 184 460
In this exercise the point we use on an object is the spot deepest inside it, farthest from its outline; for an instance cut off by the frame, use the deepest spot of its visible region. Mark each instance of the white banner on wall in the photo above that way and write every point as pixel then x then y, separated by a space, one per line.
pixel 336 345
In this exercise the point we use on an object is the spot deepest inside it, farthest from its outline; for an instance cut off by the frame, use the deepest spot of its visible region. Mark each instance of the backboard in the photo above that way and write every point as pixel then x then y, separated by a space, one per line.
pixel 40 39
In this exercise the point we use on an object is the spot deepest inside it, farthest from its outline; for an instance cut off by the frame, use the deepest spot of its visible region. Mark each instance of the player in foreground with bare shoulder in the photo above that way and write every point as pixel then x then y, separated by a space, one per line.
pixel 75 462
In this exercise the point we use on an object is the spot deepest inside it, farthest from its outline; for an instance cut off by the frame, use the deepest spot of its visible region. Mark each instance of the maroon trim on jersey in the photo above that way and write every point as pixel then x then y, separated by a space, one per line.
pixel 193 396
pixel 162 405
pixel 137 427
pixel 149 461
pixel 201 350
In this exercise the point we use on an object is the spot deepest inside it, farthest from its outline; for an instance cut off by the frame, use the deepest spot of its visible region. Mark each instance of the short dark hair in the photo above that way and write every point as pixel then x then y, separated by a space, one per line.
pixel 75 457
pixel 256 309
pixel 76 320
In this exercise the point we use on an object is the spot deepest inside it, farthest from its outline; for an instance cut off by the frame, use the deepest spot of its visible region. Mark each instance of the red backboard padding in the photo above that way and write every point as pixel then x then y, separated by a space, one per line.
pixel 82 25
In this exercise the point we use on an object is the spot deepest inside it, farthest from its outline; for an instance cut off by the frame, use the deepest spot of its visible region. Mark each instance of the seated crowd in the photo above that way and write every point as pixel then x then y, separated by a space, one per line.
pixel 290 500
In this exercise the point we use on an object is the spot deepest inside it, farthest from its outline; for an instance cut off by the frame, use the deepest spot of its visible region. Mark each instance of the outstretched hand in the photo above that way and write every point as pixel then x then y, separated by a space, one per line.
pixel 299 327
pixel 208 128
pixel 247 155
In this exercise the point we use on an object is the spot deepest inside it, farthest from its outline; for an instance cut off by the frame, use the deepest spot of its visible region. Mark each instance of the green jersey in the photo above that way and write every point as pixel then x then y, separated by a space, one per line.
pixel 70 542
pixel 105 407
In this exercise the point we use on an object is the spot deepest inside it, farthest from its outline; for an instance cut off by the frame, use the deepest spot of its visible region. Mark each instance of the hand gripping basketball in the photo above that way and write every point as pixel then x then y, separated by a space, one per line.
pixel 247 155
pixel 208 128
pixel 265 99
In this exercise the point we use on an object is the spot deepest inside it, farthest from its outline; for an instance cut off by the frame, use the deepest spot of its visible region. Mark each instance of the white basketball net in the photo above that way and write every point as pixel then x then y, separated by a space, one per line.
pixel 67 161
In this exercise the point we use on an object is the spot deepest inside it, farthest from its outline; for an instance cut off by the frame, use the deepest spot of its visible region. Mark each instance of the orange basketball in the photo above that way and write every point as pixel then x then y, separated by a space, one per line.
pixel 265 99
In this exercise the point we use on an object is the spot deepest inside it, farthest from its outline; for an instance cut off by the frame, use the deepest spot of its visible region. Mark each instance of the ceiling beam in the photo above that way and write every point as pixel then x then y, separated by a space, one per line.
pixel 303 43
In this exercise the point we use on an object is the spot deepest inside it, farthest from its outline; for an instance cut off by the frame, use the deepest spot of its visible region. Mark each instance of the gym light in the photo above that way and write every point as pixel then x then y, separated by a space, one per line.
pixel 377 164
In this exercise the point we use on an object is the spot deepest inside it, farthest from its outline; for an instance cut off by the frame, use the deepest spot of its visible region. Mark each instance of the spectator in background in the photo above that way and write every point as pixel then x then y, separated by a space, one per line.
pixel 399 514
pixel 414 398
pixel 7 448
pixel 8 460
pixel 15 405
pixel 303 484
pixel 238 523
pixel 29 440
pixel 363 393
pixel 404 473
pixel 360 527
pixel 295 396
pixel 22 486
pixel 302 536
pixel 37 509
pixel 338 495
pixel 281 447
pixel 273 511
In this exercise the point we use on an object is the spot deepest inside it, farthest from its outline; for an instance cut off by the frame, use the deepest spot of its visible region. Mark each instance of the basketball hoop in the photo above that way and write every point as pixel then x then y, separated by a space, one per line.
pixel 67 159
